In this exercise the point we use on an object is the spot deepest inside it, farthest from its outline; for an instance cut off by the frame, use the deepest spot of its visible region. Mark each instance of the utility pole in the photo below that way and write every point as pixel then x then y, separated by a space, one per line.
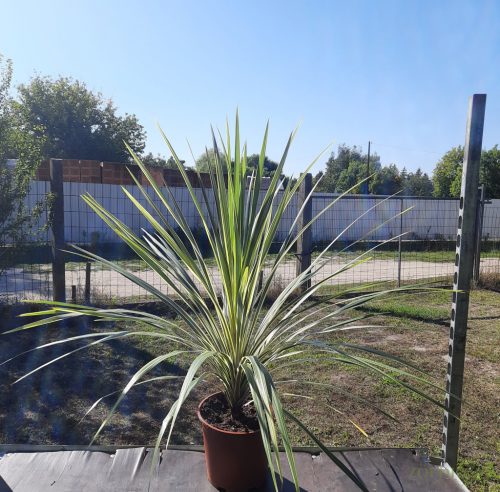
pixel 367 169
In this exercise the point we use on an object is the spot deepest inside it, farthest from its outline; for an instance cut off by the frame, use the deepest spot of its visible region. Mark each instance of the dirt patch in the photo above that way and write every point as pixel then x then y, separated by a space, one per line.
pixel 216 411
pixel 418 348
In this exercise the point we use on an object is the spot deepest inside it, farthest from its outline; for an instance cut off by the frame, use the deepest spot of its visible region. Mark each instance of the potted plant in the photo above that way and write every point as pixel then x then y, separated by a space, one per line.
pixel 229 331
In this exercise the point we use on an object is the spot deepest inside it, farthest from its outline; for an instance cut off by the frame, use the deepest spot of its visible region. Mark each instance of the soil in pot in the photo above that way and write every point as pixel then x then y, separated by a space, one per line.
pixel 234 453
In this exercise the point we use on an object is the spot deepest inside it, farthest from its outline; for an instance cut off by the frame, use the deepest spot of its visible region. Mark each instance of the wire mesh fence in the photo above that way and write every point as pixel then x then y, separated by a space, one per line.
pixel 399 239
pixel 25 266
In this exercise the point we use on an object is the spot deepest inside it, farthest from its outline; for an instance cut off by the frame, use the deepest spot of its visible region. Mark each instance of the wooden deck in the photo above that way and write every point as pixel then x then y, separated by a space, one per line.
pixel 68 469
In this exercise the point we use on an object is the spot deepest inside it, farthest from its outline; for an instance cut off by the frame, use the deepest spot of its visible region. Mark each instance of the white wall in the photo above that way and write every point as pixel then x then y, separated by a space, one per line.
pixel 428 219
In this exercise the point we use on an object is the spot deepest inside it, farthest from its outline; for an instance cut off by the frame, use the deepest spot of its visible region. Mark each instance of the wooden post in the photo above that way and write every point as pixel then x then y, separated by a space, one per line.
pixel 464 262
pixel 57 231
pixel 304 242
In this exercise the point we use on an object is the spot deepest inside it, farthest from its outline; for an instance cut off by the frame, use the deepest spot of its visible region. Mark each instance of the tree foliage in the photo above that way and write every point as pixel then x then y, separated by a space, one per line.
pixel 355 172
pixel 159 161
pixel 349 165
pixel 15 220
pixel 75 122
pixel 341 165
pixel 202 163
pixel 447 172
pixel 447 176
pixel 490 172
pixel 386 181
pixel 417 183
pixel 269 165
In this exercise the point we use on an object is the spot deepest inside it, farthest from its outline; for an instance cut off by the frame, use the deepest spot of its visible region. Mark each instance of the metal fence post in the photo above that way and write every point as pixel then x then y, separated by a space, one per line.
pixel 304 242
pixel 57 231
pixel 86 292
pixel 479 234
pixel 464 261
pixel 400 245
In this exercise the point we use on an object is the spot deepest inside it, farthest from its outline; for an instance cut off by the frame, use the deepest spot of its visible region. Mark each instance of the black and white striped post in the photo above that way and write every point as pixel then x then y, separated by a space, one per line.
pixel 464 264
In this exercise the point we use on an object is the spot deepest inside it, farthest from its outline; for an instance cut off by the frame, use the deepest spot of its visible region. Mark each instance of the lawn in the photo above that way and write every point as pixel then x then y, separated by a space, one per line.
pixel 46 407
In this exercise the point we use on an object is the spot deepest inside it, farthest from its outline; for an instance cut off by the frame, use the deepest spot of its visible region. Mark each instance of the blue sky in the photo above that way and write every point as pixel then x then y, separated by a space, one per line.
pixel 396 73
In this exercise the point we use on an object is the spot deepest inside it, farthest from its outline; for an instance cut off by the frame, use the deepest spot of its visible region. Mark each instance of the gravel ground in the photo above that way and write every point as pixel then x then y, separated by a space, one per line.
pixel 109 285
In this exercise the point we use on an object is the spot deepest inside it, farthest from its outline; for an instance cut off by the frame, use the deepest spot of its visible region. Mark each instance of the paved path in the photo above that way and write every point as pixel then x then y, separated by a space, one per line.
pixel 110 285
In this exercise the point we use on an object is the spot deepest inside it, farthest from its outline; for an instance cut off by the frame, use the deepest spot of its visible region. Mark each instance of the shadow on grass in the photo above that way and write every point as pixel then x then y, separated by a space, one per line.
pixel 413 314
pixel 46 407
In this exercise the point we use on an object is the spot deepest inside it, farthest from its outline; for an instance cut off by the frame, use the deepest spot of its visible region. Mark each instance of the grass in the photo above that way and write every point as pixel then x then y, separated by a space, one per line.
pixel 46 407
pixel 489 280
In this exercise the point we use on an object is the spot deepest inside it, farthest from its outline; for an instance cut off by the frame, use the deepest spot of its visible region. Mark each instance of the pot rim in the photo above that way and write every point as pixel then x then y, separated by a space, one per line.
pixel 223 431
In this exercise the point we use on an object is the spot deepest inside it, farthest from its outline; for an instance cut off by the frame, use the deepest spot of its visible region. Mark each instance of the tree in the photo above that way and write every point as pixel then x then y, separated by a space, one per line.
pixel 338 163
pixel 447 173
pixel 5 113
pixel 252 163
pixel 15 220
pixel 447 176
pixel 202 163
pixel 346 168
pixel 379 184
pixel 75 122
pixel 416 184
pixel 318 176
pixel 159 161
pixel 269 165
pixel 490 172
pixel 386 181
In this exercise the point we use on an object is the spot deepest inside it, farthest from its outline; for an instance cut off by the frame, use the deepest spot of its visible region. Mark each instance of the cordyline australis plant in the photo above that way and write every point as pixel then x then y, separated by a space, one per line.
pixel 228 330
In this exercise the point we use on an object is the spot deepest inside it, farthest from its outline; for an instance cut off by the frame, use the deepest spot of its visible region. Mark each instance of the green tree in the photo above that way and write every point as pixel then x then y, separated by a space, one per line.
pixel 447 176
pixel 354 174
pixel 338 163
pixel 386 181
pixel 5 110
pixel 15 179
pixel 345 168
pixel 447 173
pixel 490 172
pixel 252 163
pixel 159 161
pixel 202 163
pixel 269 165
pixel 318 176
pixel 75 122
pixel 416 184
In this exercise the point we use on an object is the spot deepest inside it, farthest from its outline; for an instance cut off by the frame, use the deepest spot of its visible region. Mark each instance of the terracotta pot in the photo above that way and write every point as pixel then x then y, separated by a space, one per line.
pixel 236 461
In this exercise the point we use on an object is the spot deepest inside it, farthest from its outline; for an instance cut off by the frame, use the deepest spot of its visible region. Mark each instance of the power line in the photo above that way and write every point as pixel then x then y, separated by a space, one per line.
pixel 411 150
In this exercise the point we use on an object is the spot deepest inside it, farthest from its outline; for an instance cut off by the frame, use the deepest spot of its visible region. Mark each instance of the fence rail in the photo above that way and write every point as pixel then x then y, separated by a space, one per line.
pixel 407 239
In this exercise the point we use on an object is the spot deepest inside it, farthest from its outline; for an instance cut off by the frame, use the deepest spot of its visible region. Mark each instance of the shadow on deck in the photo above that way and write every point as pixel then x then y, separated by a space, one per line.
pixel 76 468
